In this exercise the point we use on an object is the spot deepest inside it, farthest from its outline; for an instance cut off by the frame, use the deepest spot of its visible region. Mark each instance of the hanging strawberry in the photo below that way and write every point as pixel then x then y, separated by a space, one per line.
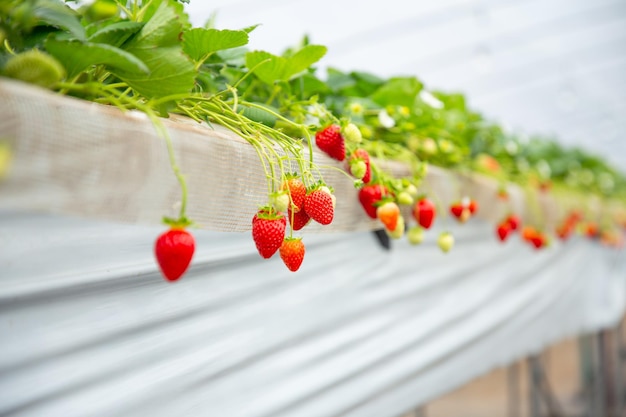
pixel 424 212
pixel 331 142
pixel 174 250
pixel 268 231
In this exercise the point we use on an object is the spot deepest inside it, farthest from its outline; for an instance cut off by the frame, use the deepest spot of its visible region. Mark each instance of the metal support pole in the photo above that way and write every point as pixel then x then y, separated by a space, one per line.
pixel 534 374
pixel 420 412
pixel 619 370
pixel 599 392
pixel 513 388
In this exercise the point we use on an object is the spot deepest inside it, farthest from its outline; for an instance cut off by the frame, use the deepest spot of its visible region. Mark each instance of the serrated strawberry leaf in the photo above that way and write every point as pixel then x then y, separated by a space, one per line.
pixel 171 72
pixel 271 68
pixel 158 45
pixel 163 26
pixel 115 34
pixel 268 67
pixel 57 14
pixel 249 29
pixel 400 91
pixel 199 43
pixel 77 56
pixel 303 59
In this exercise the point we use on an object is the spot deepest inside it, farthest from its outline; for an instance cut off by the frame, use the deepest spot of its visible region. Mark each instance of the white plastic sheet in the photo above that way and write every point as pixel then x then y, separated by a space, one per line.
pixel 90 329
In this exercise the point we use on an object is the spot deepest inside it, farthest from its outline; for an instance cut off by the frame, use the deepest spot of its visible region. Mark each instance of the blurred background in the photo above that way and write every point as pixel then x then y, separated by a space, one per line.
pixel 554 67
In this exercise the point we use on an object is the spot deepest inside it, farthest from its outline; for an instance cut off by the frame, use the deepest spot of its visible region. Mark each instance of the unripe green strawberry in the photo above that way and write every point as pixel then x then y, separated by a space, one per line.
pixel 358 155
pixel 358 168
pixel 292 253
pixel 415 235
pixel 352 133
pixel 445 241
pixel 398 232
pixel 412 190
pixel 35 67
pixel 405 198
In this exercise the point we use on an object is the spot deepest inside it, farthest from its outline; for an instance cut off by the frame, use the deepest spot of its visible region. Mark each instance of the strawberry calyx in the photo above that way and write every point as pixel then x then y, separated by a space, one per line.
pixel 268 213
pixel 179 223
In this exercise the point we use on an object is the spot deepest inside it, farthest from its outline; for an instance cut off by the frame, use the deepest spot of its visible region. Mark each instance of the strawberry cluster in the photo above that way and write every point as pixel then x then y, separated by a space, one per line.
pixel 269 224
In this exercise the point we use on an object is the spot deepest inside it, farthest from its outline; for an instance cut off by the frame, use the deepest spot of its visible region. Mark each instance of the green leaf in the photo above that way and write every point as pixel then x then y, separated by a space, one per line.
pixel 269 71
pixel 57 14
pixel 171 72
pixel 162 28
pixel 235 57
pixel 308 85
pixel 116 33
pixel 278 68
pixel 199 42
pixel 250 28
pixel 158 45
pixel 78 56
pixel 400 91
pixel 303 59
pixel 338 80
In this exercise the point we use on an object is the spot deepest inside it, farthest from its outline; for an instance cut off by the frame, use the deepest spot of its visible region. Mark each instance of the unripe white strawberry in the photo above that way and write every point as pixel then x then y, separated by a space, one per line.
pixel 415 235
pixel 405 198
pixel 358 168
pixel 280 201
pixel 445 241
pixel 352 134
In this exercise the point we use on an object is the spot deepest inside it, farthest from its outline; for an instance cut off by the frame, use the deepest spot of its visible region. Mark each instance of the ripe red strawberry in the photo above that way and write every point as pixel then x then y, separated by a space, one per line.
pixel 268 231
pixel 563 231
pixel 424 213
pixel 174 250
pixel 460 211
pixel 292 253
pixel 297 190
pixel 369 196
pixel 300 219
pixel 318 204
pixel 538 241
pixel 388 214
pixel 456 209
pixel 591 230
pixel 473 207
pixel 535 237
pixel 503 231
pixel 513 221
pixel 361 155
pixel 331 142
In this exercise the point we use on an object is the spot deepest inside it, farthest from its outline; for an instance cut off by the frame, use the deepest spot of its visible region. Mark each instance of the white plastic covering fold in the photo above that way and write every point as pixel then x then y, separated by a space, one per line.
pixel 90 329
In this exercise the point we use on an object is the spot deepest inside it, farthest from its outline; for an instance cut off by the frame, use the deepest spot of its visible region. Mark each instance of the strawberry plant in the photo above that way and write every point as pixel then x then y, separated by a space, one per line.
pixel 146 56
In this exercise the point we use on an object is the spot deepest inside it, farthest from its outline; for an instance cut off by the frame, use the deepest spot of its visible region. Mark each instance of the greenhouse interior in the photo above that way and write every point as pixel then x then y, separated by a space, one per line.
pixel 237 208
